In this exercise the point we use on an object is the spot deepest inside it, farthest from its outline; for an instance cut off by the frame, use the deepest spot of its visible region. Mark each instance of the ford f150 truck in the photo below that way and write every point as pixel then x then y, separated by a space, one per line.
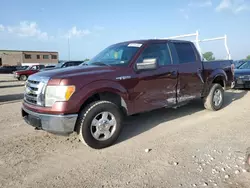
pixel 124 79
pixel 24 74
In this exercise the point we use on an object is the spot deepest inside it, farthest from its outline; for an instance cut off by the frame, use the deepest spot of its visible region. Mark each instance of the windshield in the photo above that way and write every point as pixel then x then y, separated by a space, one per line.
pixel 245 65
pixel 116 55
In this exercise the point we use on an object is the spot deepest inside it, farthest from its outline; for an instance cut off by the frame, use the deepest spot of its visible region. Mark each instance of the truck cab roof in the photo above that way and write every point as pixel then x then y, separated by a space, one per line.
pixel 147 41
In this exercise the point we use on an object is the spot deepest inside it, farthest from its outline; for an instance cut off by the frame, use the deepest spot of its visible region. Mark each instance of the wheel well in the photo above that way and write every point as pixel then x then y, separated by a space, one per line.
pixel 107 96
pixel 219 80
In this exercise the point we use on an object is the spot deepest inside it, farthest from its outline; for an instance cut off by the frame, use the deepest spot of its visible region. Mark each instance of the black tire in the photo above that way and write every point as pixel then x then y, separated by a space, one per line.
pixel 209 100
pixel 23 78
pixel 86 116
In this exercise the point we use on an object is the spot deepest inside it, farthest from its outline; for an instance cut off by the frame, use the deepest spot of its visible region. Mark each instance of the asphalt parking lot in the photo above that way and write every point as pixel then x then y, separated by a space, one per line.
pixel 187 147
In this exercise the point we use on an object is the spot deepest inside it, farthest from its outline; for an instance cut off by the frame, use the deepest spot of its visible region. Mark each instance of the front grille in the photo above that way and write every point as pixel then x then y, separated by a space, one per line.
pixel 34 90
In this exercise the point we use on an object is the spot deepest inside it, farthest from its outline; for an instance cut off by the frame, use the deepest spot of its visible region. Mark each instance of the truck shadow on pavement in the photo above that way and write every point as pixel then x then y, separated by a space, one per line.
pixel 138 124
pixel 11 98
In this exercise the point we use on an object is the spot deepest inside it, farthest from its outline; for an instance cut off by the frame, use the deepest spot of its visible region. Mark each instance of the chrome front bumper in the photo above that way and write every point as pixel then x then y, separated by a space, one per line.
pixel 56 124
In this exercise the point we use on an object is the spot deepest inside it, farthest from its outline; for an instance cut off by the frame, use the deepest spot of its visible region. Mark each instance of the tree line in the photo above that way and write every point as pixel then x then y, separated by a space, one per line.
pixel 209 56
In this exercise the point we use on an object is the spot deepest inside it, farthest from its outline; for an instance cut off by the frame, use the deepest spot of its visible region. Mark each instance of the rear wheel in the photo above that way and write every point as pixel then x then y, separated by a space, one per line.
pixel 215 98
pixel 23 78
pixel 99 125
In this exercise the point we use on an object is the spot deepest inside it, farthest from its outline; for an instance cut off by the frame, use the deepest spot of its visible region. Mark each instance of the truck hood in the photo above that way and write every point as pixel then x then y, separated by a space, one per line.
pixel 72 72
pixel 242 71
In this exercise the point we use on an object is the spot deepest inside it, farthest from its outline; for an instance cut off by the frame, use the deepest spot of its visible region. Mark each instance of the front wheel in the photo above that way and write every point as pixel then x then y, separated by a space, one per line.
pixel 215 98
pixel 99 125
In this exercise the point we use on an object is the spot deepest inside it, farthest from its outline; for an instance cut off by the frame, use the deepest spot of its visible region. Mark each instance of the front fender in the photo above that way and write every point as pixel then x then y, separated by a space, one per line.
pixel 103 86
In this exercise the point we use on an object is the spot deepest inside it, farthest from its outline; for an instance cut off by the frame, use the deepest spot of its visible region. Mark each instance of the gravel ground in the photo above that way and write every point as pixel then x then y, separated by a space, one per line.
pixel 184 147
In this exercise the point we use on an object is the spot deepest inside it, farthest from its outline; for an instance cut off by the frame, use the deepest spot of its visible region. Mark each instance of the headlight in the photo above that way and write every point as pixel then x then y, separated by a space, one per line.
pixel 58 93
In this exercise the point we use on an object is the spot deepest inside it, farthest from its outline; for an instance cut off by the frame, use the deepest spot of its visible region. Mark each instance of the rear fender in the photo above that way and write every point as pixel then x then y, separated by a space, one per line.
pixel 212 77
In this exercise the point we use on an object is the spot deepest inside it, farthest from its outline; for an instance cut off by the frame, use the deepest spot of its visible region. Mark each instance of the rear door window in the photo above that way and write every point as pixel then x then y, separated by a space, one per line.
pixel 185 53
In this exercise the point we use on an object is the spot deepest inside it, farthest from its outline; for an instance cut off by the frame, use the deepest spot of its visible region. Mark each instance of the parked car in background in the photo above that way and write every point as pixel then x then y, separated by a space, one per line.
pixel 22 67
pixel 124 79
pixel 24 74
pixel 64 64
pixel 7 69
pixel 238 63
pixel 242 76
pixel 49 66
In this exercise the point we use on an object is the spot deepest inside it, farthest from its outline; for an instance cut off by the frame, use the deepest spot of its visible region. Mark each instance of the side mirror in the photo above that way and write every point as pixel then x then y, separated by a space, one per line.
pixel 147 64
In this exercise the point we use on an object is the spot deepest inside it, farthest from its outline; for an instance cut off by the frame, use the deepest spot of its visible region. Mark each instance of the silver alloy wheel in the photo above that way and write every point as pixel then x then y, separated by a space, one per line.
pixel 103 126
pixel 217 99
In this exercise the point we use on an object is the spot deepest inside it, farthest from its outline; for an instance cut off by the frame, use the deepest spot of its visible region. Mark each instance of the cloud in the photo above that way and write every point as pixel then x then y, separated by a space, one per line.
pixel 185 13
pixel 28 29
pixel 235 6
pixel 74 32
pixel 194 4
pixel 2 28
pixel 242 8
pixel 200 3
pixel 98 28
pixel 224 4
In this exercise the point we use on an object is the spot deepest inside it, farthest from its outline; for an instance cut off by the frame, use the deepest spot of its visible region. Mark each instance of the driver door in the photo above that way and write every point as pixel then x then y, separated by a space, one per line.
pixel 156 88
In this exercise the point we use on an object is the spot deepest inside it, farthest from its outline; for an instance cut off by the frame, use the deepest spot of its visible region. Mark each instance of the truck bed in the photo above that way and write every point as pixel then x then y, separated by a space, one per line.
pixel 216 66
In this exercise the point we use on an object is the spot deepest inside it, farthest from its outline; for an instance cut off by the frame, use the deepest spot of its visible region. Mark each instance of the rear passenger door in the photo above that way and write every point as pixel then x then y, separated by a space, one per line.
pixel 190 82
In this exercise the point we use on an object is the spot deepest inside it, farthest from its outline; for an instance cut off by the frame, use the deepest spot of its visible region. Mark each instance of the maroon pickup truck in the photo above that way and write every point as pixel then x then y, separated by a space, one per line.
pixel 124 79
pixel 24 74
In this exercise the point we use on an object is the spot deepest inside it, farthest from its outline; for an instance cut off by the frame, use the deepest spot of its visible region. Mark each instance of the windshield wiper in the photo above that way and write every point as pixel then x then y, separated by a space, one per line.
pixel 99 63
